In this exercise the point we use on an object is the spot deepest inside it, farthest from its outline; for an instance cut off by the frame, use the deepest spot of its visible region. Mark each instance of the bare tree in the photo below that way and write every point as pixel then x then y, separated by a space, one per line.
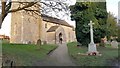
pixel 56 8
pixel 44 6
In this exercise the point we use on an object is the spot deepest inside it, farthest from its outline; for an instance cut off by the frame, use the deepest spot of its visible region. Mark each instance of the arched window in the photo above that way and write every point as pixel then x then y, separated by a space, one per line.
pixel 46 25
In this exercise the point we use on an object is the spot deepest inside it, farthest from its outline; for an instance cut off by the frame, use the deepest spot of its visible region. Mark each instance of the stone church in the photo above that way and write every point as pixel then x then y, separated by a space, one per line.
pixel 29 29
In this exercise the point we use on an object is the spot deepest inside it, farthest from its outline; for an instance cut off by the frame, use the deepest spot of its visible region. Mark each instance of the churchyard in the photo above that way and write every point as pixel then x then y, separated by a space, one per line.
pixel 28 54
pixel 92 55
pixel 24 54
pixel 109 55
pixel 54 42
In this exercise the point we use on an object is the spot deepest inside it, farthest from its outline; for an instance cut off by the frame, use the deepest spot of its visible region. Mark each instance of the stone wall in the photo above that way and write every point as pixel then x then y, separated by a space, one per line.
pixel 24 27
pixel 69 33
pixel 51 38
pixel 28 29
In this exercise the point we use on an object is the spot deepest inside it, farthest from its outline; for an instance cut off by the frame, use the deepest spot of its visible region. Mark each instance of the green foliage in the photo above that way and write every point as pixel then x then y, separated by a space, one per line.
pixel 102 44
pixel 82 13
pixel 111 26
pixel 118 34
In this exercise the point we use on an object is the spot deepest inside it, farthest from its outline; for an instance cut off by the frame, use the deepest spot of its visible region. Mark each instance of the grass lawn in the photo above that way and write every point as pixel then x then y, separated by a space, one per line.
pixel 24 54
pixel 108 54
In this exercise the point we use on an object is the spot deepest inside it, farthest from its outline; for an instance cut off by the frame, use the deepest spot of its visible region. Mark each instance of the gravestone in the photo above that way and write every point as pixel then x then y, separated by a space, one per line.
pixel 114 44
pixel 29 42
pixel 44 42
pixel 108 42
pixel 38 42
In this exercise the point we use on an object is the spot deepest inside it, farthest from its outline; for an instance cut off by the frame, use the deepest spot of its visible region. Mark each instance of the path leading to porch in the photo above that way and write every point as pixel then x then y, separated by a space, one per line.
pixel 58 57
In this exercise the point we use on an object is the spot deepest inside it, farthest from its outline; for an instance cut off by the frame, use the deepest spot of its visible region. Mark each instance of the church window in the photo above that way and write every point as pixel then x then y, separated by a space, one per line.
pixel 46 25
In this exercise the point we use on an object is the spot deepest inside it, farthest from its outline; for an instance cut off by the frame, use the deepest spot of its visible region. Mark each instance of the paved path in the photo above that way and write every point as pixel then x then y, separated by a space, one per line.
pixel 58 57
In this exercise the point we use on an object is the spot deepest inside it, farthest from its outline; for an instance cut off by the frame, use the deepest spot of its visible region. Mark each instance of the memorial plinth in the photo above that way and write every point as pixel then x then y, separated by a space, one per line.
pixel 92 50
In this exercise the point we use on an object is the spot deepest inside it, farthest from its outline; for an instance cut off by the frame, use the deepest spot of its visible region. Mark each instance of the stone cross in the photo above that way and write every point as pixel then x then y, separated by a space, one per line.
pixel 92 46
pixel 91 31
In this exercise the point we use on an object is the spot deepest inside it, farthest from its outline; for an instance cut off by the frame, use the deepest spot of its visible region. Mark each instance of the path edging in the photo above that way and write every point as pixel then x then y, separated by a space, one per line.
pixel 52 50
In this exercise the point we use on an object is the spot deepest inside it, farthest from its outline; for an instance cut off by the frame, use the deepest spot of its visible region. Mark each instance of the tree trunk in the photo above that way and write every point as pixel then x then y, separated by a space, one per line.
pixel 2 15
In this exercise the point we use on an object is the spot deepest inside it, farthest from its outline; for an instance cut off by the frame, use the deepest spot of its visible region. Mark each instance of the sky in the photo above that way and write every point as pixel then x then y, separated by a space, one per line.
pixel 112 6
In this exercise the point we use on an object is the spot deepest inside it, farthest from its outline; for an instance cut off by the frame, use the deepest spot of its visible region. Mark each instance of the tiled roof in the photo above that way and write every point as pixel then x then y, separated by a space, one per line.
pixel 55 20
pixel 52 29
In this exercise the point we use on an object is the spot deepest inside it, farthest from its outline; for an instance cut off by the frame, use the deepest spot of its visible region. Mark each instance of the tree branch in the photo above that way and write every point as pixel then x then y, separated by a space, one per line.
pixel 30 4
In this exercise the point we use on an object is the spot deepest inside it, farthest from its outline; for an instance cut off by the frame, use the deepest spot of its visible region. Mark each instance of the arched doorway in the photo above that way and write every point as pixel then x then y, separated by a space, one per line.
pixel 60 38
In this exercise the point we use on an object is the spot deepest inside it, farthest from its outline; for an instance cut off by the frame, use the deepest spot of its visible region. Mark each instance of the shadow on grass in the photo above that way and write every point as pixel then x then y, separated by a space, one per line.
pixel 24 54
